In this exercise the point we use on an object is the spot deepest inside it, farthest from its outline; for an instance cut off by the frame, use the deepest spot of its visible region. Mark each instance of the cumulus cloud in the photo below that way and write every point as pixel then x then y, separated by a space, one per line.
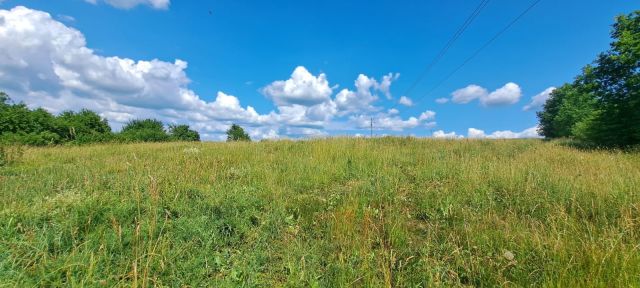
pixel 363 98
pixel 392 121
pixel 128 4
pixel 444 135
pixel 505 134
pixel 508 94
pixel 539 100
pixel 406 101
pixel 468 94
pixel 385 84
pixel 302 88
pixel 427 115
pixel 47 64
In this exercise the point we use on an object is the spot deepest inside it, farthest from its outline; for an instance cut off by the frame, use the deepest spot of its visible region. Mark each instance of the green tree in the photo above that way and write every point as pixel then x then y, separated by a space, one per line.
pixel 236 133
pixel 20 125
pixel 84 126
pixel 616 82
pixel 147 130
pixel 602 106
pixel 183 133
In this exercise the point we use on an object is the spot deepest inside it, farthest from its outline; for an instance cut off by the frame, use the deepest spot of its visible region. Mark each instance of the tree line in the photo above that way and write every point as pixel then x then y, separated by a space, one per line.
pixel 38 127
pixel 601 107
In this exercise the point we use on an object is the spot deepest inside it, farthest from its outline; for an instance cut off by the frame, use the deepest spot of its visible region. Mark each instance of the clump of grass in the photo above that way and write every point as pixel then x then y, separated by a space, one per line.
pixel 322 213
pixel 10 154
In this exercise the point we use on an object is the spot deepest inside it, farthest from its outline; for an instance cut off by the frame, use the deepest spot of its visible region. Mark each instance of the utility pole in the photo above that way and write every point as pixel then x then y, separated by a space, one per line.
pixel 371 127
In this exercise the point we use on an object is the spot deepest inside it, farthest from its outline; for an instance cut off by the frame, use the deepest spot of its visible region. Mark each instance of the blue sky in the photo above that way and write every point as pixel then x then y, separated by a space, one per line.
pixel 242 48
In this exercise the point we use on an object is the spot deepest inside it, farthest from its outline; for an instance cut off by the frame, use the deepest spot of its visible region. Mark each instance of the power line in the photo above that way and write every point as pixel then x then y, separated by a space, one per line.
pixel 484 46
pixel 447 46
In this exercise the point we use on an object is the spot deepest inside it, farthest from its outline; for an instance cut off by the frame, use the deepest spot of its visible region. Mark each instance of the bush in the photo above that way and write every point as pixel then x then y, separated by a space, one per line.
pixel 32 139
pixel 236 133
pixel 183 133
pixel 147 130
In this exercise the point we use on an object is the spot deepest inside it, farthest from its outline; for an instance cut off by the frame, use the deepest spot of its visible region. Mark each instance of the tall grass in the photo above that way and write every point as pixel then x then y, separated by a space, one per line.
pixel 323 213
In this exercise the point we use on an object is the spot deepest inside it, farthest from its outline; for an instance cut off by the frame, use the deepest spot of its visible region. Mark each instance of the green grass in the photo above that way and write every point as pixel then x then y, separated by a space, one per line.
pixel 324 213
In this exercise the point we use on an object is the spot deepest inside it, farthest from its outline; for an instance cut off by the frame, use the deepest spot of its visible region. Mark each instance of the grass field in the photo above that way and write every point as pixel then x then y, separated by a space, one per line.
pixel 323 213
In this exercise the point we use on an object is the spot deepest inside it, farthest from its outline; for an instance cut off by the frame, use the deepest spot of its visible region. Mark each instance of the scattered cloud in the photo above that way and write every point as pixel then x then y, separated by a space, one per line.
pixel 128 4
pixel 508 94
pixel 538 101
pixel 468 94
pixel 66 18
pixel 46 63
pixel 385 84
pixel 427 115
pixel 505 134
pixel 302 88
pixel 406 101
pixel 440 134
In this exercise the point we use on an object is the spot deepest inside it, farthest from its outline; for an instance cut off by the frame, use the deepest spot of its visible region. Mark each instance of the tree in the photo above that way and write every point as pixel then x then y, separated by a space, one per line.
pixel 84 126
pixel 147 130
pixel 236 133
pixel 4 99
pixel 183 133
pixel 616 81
pixel 602 106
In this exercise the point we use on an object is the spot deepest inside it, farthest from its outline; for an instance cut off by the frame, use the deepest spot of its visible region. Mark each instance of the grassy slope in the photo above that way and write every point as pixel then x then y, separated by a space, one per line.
pixel 321 213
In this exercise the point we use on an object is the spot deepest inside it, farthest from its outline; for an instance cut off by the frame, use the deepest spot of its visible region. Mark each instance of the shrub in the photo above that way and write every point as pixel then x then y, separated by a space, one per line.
pixel 147 130
pixel 183 133
pixel 236 133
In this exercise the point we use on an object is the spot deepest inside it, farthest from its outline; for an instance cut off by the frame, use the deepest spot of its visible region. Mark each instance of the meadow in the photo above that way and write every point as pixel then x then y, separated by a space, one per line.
pixel 385 212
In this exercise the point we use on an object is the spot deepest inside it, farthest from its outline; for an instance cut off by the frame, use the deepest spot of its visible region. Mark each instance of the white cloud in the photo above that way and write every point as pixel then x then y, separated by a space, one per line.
pixel 66 18
pixel 539 100
pixel 385 84
pixel 391 121
pixel 444 135
pixel 128 4
pixel 302 89
pixel 427 115
pixel 47 64
pixel 505 134
pixel 406 101
pixel 360 100
pixel 468 94
pixel 508 94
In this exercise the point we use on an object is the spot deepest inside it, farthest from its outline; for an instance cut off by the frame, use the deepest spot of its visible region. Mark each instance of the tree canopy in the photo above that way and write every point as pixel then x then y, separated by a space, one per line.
pixel 237 133
pixel 602 106
pixel 21 125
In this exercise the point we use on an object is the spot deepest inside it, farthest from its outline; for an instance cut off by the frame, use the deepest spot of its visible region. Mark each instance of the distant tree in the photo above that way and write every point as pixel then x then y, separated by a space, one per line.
pixel 18 118
pixel 4 99
pixel 183 133
pixel 84 126
pixel 236 133
pixel 147 130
